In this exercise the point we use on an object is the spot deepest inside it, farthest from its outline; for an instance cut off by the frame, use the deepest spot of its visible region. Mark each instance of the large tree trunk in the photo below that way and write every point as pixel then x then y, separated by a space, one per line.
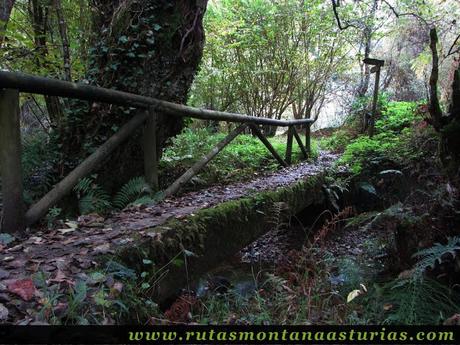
pixel 447 125
pixel 150 47
pixel 450 134
pixel 6 6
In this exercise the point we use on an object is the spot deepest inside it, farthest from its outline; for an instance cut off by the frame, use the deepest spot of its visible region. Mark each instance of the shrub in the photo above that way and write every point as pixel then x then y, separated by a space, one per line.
pixel 394 132
pixel 242 158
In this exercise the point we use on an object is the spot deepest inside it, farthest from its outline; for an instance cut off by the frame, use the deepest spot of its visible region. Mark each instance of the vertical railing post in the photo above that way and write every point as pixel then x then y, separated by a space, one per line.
pixel 308 138
pixel 150 151
pixel 375 103
pixel 290 139
pixel 12 220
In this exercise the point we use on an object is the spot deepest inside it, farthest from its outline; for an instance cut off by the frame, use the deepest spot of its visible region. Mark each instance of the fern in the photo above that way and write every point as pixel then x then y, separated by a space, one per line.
pixel 91 197
pixel 428 258
pixel 278 215
pixel 136 191
pixel 418 301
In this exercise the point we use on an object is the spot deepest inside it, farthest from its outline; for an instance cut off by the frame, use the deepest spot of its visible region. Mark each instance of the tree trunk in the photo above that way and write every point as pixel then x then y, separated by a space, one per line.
pixel 38 13
pixel 62 24
pixel 6 6
pixel 450 134
pixel 367 35
pixel 152 48
pixel 447 125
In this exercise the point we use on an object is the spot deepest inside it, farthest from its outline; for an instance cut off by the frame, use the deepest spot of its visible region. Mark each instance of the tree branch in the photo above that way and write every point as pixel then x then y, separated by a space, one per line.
pixel 451 50
pixel 337 17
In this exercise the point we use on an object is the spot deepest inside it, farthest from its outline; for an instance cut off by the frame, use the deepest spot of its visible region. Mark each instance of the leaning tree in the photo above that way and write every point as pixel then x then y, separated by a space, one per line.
pixel 149 47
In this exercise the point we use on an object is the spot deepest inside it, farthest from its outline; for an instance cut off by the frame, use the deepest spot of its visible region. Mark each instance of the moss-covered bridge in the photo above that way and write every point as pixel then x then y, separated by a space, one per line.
pixel 199 229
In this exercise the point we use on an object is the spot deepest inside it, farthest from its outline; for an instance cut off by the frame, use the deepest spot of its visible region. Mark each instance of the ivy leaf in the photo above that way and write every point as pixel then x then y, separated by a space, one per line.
pixel 156 27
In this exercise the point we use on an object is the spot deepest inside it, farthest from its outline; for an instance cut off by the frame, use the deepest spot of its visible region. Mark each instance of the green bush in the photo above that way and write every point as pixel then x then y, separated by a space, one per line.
pixel 242 158
pixel 394 131
pixel 38 157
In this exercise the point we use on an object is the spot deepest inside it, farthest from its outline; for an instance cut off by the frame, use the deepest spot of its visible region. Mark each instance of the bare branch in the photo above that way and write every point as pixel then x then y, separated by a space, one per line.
pixel 337 17
pixel 408 14
pixel 451 50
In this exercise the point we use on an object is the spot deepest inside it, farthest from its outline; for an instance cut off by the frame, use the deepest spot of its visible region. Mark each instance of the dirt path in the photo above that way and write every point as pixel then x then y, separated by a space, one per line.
pixel 64 255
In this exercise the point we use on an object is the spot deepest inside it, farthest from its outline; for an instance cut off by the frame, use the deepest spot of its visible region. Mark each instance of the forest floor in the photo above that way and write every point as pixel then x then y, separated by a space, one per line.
pixel 64 255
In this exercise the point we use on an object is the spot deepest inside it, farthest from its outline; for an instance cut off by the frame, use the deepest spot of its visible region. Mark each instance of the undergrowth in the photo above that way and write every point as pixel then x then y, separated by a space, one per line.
pixel 245 157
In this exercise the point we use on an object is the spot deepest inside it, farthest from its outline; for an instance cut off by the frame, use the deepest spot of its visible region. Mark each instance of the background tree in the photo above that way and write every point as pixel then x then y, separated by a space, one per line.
pixel 267 57
pixel 6 6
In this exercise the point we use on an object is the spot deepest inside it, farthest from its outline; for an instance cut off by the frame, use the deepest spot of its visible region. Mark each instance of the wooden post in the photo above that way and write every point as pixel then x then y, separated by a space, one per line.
pixel 150 151
pixel 300 143
pixel 378 64
pixel 187 176
pixel 289 145
pixel 267 144
pixel 12 220
pixel 375 102
pixel 308 139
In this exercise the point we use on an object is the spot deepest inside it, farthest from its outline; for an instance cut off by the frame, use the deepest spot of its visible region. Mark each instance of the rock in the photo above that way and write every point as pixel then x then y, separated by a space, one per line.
pixel 391 174
pixel 367 198
pixel 392 184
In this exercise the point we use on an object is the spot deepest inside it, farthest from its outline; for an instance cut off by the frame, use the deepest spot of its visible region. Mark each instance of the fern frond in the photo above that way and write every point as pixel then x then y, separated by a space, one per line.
pixel 134 190
pixel 277 216
pixel 91 197
pixel 144 200
pixel 430 257
pixel 84 186
pixel 418 301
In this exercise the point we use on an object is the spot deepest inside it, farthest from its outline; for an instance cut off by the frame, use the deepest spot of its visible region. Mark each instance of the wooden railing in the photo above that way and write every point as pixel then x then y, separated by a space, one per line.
pixel 15 219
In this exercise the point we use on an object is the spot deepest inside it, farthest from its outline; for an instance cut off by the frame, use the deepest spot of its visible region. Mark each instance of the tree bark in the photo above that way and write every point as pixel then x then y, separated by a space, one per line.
pixel 6 6
pixel 152 48
pixel 447 125
pixel 62 24
pixel 39 17
pixel 434 106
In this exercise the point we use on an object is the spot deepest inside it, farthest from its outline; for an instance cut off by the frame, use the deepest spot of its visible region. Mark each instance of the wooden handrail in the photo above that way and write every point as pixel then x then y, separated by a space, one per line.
pixel 10 145
pixel 53 87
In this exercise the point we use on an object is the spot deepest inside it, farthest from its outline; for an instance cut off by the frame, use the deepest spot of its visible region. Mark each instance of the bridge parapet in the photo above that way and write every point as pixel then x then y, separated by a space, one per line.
pixel 14 219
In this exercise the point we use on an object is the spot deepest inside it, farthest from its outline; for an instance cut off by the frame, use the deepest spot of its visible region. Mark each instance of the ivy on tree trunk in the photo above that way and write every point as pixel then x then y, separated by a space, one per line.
pixel 152 48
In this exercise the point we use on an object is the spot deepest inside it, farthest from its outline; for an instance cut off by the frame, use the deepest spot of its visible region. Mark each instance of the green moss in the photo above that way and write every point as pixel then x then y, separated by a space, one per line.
pixel 212 235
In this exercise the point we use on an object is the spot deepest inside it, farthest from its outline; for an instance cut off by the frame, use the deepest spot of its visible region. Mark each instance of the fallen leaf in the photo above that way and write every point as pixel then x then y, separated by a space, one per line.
pixel 102 249
pixel 3 313
pixel 72 225
pixel 116 290
pixel 36 240
pixel 387 307
pixel 23 288
pixel 453 321
pixel 352 295
pixel 4 274
pixel 66 231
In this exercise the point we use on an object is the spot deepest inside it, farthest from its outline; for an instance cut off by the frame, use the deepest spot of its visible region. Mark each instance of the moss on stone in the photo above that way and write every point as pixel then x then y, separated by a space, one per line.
pixel 214 234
